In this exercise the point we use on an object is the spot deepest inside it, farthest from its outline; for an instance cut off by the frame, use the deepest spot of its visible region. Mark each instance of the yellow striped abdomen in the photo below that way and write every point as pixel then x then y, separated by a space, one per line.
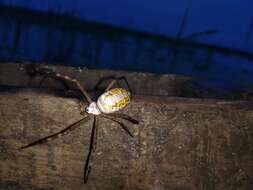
pixel 113 100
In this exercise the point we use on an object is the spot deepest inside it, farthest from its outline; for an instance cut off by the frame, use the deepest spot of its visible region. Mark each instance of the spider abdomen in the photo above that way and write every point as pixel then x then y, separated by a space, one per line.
pixel 113 100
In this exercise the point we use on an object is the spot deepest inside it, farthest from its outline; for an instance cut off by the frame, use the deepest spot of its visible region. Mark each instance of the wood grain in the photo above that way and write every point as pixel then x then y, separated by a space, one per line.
pixel 179 144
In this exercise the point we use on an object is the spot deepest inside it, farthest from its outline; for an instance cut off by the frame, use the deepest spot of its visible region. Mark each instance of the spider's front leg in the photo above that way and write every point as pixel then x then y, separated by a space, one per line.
pixel 82 107
pixel 44 72
pixel 34 70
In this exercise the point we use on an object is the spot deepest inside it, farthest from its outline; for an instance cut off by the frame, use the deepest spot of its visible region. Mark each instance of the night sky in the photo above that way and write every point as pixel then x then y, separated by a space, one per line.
pixel 232 19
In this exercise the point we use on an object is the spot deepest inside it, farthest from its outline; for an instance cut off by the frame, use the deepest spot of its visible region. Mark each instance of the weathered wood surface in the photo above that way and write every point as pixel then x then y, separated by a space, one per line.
pixel 179 144
pixel 14 74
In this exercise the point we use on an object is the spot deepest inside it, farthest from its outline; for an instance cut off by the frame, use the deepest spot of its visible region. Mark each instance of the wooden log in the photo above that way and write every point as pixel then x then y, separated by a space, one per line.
pixel 179 144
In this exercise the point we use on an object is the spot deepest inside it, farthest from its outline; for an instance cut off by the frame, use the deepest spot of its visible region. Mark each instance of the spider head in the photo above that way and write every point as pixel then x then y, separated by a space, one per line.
pixel 93 109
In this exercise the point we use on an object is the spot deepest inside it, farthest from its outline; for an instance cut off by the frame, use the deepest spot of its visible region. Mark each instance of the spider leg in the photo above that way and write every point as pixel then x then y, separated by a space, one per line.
pixel 82 107
pixel 124 116
pixel 34 70
pixel 102 80
pixel 92 148
pixel 120 123
pixel 63 83
pixel 116 80
pixel 29 83
pixel 58 134
pixel 42 80
pixel 76 82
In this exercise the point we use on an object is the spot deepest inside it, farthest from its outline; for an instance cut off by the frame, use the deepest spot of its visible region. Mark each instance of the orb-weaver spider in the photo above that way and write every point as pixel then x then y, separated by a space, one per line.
pixel 107 104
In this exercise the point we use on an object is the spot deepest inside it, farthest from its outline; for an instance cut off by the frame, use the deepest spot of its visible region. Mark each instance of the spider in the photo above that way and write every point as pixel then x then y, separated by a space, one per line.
pixel 106 106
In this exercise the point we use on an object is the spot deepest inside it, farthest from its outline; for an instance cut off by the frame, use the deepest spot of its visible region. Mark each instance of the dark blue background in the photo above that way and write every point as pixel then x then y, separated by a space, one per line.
pixel 232 19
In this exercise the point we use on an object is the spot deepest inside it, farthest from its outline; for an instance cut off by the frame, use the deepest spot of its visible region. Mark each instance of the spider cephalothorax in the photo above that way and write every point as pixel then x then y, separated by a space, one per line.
pixel 111 101
pixel 93 109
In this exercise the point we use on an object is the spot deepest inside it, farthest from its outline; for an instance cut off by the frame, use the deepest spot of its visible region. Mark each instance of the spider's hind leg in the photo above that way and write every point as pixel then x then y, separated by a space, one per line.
pixel 125 128
pixel 124 116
